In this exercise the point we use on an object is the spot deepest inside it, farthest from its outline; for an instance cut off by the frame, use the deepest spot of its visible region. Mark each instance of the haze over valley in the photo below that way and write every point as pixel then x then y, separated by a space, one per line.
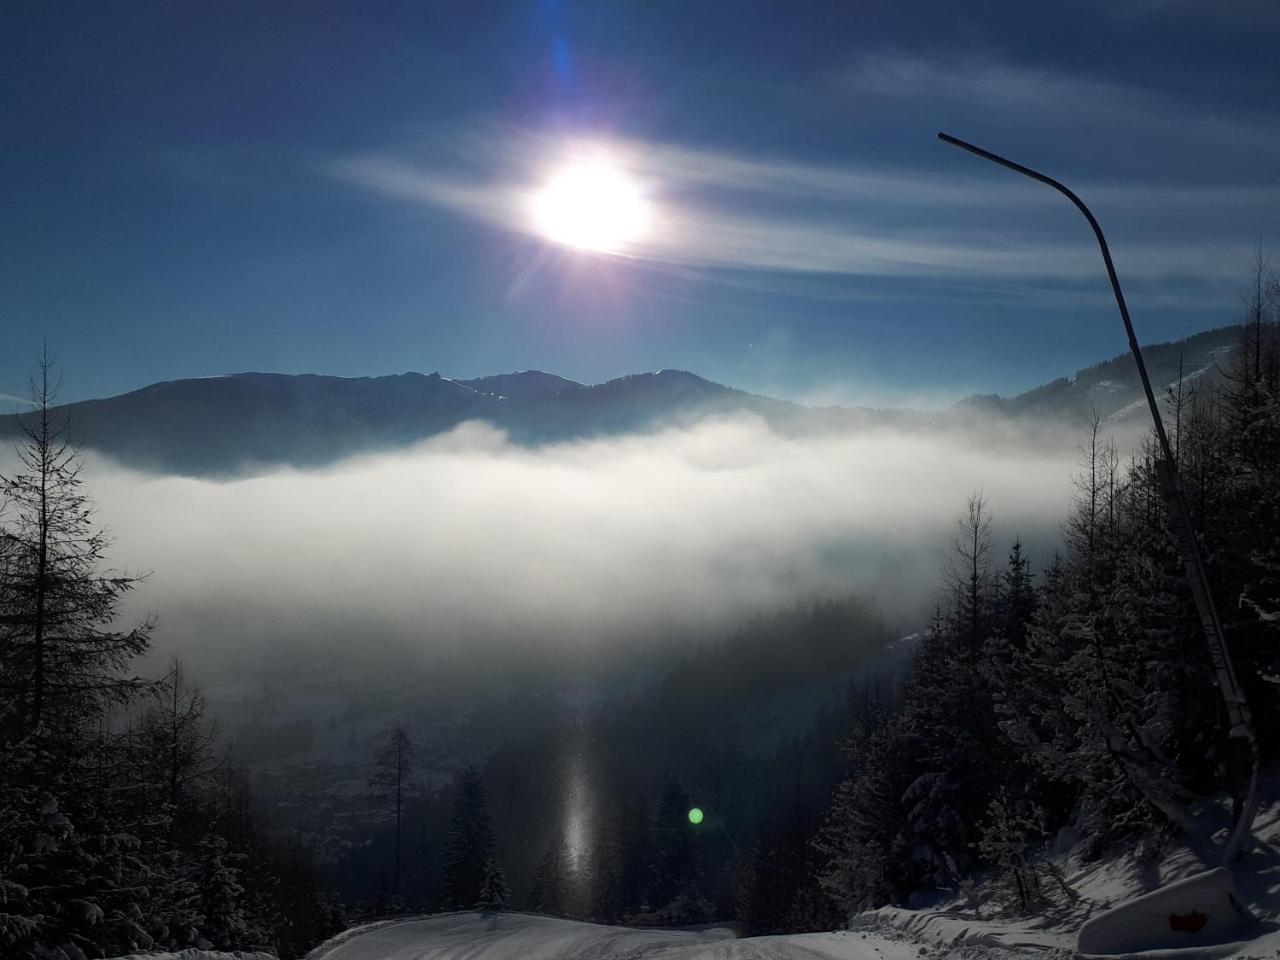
pixel 285 516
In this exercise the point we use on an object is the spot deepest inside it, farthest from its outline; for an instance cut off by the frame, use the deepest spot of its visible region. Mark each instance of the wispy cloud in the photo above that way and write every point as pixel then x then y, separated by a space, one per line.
pixel 726 210
pixel 1068 107
pixel 1240 11
pixel 723 210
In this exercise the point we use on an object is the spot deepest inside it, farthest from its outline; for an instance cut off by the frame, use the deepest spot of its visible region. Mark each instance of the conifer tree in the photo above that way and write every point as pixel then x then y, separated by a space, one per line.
pixel 60 666
pixel 393 766
pixel 863 838
pixel 636 857
pixel 1014 832
pixel 470 848
pixel 550 891
pixel 223 920
pixel 677 861
pixel 176 750
pixel 494 892
pixel 947 722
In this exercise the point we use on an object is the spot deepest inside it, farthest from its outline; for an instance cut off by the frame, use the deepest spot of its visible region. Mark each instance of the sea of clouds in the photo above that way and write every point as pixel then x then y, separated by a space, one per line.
pixel 470 542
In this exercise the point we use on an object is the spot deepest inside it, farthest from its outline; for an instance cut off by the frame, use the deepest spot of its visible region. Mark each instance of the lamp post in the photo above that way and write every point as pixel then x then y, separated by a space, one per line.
pixel 1243 743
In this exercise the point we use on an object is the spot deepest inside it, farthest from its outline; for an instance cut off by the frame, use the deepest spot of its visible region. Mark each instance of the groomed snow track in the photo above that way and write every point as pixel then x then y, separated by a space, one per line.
pixel 520 936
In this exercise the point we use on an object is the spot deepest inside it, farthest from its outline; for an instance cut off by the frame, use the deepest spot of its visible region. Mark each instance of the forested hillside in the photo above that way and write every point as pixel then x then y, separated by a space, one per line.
pixel 1082 697
pixel 805 766
pixel 1071 692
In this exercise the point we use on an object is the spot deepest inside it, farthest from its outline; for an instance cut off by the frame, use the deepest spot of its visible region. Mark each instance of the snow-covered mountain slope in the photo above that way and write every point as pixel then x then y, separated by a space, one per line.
pixel 517 936
pixel 1188 380
pixel 1113 388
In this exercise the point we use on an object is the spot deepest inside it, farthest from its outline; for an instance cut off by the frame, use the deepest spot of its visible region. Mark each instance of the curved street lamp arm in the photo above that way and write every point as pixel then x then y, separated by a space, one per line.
pixel 1181 527
pixel 1106 258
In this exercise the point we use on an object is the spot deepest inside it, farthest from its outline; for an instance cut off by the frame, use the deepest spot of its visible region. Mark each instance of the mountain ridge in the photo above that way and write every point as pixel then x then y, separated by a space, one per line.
pixel 1112 386
pixel 244 422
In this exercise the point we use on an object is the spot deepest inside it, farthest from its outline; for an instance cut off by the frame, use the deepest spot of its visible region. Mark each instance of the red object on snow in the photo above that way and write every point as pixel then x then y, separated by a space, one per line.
pixel 1192 922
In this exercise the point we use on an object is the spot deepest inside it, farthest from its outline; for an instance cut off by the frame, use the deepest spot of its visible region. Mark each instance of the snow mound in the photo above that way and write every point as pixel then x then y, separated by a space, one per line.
pixel 1202 909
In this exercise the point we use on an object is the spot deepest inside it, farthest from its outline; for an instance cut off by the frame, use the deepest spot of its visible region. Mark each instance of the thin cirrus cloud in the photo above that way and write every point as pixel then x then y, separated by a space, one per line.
pixel 710 235
pixel 1090 116
pixel 722 210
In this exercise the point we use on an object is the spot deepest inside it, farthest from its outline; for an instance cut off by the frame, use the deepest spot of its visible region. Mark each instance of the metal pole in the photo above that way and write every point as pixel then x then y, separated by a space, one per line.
pixel 1243 742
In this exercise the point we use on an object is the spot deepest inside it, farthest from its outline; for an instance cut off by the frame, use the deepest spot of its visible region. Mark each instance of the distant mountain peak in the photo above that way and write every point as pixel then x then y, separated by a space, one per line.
pixel 522 383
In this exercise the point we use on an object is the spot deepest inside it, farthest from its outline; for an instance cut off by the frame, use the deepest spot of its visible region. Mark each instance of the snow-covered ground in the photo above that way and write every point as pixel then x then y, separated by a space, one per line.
pixel 193 954
pixel 518 936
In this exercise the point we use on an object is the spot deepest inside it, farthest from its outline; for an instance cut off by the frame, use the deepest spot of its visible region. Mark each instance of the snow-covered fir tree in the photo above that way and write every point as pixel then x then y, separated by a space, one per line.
pixel 550 892
pixel 1104 713
pixel 495 894
pixel 470 848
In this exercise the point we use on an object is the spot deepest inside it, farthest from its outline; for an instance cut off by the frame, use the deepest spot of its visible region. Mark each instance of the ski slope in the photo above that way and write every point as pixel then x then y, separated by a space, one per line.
pixel 518 936
pixel 968 927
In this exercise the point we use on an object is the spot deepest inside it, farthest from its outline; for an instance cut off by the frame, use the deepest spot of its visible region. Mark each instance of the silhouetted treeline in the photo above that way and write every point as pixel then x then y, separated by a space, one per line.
pixel 121 827
pixel 590 806
pixel 1085 698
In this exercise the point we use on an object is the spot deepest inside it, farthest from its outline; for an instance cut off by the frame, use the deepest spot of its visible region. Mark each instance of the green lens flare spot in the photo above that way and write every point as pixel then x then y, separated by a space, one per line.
pixel 695 815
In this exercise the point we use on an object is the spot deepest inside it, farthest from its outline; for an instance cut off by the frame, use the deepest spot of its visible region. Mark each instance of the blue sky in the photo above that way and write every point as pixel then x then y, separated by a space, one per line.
pixel 194 189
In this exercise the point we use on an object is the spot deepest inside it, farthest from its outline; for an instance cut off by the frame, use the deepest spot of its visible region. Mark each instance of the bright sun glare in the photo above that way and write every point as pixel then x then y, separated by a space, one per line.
pixel 592 204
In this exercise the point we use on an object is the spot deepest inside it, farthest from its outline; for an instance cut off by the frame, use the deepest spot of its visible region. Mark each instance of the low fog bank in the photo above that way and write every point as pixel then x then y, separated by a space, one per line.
pixel 470 546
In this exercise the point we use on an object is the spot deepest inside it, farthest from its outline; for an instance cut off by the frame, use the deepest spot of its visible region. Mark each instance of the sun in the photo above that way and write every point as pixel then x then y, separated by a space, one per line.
pixel 592 204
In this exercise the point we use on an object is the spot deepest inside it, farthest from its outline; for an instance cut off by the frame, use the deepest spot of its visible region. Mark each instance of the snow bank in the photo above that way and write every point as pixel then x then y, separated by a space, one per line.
pixel 1201 909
